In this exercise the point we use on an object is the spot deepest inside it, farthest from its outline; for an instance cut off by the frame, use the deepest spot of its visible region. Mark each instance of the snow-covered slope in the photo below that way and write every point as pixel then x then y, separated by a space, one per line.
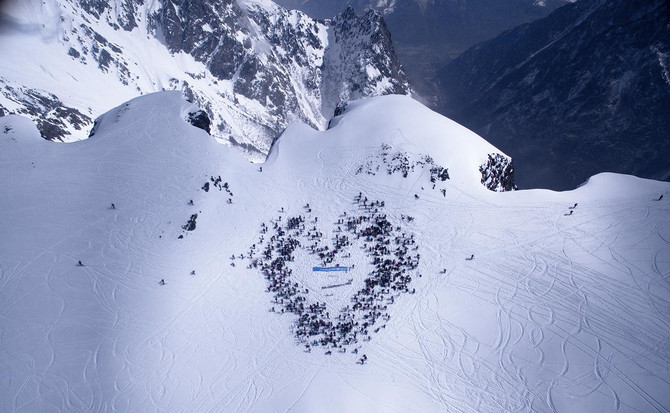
pixel 253 66
pixel 555 312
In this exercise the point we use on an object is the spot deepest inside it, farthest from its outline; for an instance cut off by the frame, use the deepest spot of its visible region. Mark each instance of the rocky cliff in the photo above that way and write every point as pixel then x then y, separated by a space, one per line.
pixel 252 65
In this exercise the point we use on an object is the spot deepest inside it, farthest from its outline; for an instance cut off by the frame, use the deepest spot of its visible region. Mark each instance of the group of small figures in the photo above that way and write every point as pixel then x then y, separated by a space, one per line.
pixel 388 249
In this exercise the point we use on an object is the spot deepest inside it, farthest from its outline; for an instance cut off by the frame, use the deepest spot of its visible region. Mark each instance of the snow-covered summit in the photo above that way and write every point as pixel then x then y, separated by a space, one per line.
pixel 253 66
pixel 401 125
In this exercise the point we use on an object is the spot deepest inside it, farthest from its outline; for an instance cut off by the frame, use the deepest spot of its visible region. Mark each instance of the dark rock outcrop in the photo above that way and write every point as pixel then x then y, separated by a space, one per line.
pixel 190 225
pixel 296 69
pixel 200 119
pixel 498 173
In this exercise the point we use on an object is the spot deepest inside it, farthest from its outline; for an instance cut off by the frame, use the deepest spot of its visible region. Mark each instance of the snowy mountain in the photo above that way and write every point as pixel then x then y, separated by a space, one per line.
pixel 252 66
pixel 456 298
pixel 430 33
pixel 585 90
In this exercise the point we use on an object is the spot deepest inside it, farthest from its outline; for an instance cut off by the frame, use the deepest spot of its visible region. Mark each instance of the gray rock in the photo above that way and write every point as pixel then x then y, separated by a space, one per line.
pixel 200 119
pixel 265 66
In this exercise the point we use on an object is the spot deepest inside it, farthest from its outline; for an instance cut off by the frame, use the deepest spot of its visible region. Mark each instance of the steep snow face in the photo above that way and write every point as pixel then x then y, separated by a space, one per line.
pixel 253 66
pixel 562 308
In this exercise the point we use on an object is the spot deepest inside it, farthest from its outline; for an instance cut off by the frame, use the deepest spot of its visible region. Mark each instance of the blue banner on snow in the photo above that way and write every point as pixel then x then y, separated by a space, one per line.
pixel 328 269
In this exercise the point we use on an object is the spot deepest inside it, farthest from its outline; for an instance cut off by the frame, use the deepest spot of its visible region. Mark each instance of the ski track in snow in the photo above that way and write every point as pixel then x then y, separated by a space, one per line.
pixel 554 314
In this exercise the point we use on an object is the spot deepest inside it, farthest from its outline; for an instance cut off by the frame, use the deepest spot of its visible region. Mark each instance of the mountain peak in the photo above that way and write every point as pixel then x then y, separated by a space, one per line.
pixel 253 66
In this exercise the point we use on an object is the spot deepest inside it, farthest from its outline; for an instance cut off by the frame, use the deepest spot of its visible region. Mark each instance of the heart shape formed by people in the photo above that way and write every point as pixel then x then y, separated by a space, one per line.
pixel 337 306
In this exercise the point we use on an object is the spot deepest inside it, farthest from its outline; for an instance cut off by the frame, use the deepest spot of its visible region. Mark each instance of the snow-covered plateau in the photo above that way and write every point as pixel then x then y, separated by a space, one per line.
pixel 196 290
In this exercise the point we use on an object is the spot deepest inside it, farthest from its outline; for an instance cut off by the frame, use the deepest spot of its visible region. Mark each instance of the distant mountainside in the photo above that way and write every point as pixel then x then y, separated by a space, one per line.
pixel 253 66
pixel 585 90
pixel 429 33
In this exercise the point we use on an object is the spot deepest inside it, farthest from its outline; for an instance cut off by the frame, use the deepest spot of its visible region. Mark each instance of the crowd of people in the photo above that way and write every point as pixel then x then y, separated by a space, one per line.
pixel 390 252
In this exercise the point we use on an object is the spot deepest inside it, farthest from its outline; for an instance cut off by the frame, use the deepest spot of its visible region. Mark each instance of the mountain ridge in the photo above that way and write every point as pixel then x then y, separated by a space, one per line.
pixel 253 66
pixel 429 34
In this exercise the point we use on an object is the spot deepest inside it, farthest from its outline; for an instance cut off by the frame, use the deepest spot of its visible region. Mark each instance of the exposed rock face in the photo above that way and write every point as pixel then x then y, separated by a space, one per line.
pixel 298 67
pixel 54 120
pixel 120 13
pixel 267 55
pixel 429 33
pixel 498 173
pixel 361 56
pixel 200 120
pixel 251 65
pixel 584 91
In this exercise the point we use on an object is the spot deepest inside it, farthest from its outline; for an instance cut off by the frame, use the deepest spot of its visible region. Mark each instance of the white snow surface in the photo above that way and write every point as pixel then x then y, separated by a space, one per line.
pixel 566 313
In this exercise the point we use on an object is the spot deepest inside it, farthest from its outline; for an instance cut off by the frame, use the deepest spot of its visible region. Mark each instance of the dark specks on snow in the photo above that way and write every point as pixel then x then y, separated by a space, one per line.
pixel 190 225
